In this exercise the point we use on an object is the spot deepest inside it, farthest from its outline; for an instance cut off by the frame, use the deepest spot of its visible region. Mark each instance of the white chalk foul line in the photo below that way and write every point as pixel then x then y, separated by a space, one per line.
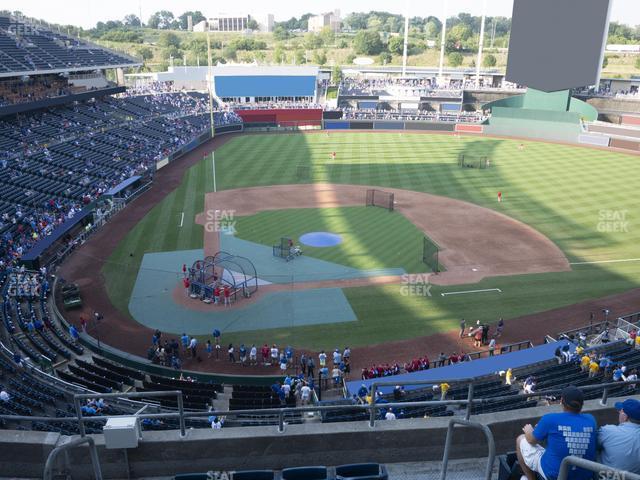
pixel 607 261
pixel 181 219
pixel 472 291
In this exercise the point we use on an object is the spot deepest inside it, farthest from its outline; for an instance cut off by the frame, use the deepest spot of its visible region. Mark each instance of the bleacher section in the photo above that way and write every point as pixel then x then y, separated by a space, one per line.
pixel 29 48
pixel 55 162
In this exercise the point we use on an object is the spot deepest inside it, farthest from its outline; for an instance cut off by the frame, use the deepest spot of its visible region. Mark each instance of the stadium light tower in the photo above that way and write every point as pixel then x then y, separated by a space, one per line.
pixel 443 41
pixel 406 39
pixel 481 43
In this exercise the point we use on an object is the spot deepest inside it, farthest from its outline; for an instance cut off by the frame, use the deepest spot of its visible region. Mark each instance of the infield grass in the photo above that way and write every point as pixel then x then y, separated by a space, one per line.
pixel 585 200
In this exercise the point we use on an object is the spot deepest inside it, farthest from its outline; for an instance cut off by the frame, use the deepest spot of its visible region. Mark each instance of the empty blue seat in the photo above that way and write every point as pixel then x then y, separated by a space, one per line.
pixel 192 476
pixel 305 473
pixel 361 471
pixel 254 475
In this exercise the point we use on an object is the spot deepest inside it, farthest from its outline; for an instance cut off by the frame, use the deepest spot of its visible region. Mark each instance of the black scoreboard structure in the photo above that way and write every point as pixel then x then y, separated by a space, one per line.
pixel 557 44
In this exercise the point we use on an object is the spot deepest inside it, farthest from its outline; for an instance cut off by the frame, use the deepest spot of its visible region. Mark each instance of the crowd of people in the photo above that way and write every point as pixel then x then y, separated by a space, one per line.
pixel 13 92
pixel 21 226
pixel 411 115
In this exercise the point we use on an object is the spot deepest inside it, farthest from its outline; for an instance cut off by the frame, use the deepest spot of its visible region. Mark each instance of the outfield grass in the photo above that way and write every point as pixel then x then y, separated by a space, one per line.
pixel 576 196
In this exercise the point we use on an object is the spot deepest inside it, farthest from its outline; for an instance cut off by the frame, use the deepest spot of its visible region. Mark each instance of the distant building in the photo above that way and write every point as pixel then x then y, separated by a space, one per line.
pixel 234 23
pixel 318 22
pixel 265 22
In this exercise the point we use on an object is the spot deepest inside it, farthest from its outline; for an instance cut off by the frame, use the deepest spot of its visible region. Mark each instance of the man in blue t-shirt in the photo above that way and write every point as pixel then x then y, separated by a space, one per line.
pixel 566 433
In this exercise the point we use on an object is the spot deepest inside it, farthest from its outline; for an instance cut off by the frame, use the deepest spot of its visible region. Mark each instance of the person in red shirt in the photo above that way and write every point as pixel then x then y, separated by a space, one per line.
pixel 265 353
pixel 499 196
pixel 333 155
pixel 185 282
pixel 216 295
pixel 227 294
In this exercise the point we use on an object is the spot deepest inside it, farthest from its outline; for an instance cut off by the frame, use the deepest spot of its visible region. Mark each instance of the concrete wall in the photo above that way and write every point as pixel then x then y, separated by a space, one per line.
pixel 22 454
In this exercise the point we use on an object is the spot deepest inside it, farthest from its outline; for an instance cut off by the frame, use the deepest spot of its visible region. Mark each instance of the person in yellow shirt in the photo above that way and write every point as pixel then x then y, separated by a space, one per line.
pixel 509 378
pixel 444 388
pixel 638 342
pixel 579 351
pixel 584 363
pixel 594 368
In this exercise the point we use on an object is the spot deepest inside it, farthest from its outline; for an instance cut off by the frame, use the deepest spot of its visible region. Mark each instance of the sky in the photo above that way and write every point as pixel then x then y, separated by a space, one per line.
pixel 86 13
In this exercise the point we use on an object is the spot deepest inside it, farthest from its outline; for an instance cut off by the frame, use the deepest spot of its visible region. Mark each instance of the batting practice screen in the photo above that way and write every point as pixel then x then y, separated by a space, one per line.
pixel 380 198
pixel 473 161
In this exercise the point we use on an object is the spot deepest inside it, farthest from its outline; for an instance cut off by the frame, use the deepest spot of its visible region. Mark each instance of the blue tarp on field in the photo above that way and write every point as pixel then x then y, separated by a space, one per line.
pixel 461 371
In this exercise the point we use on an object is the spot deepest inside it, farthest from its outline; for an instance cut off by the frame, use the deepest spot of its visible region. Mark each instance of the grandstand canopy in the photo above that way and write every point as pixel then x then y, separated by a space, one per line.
pixel 266 82
pixel 29 49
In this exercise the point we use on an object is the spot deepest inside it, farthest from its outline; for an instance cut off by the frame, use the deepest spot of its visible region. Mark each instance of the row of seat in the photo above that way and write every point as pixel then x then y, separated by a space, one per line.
pixel 358 471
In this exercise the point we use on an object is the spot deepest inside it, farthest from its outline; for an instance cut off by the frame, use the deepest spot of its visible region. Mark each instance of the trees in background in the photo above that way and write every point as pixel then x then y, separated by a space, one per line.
pixel 162 20
pixel 196 17
pixel 367 42
pixel 489 61
pixel 455 59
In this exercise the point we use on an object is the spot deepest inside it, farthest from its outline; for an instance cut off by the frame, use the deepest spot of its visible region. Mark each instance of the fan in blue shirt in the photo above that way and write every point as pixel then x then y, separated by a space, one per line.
pixel 567 433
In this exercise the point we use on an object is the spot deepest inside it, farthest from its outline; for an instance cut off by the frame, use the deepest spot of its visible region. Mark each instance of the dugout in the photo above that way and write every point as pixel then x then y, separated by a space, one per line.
pixel 223 269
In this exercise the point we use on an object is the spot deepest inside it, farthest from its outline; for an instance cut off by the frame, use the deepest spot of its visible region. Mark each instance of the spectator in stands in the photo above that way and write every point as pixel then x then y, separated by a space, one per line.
pixel 594 368
pixel 492 346
pixel 216 422
pixel 584 362
pixel 443 388
pixel 305 394
pixel 303 363
pixel 73 333
pixel 529 384
pixel 568 433
pixel 253 355
pixel 620 444
pixel 390 415
pixel 4 396
pixel 275 355
pixel 193 346
pixel 311 366
pixel 242 353
pixel 322 359
pixel 336 374
pixel 558 355
pixel 632 337
pixel 231 351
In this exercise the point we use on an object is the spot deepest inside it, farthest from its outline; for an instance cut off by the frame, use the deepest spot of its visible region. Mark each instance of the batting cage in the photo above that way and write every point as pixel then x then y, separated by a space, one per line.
pixel 223 269
pixel 430 251
pixel 380 198
pixel 466 160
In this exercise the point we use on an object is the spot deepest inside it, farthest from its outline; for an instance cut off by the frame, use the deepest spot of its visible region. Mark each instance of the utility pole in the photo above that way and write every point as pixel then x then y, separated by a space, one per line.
pixel 443 41
pixel 481 43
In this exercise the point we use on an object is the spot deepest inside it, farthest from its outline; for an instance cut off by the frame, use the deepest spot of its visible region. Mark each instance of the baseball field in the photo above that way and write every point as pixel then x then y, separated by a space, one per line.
pixel 583 200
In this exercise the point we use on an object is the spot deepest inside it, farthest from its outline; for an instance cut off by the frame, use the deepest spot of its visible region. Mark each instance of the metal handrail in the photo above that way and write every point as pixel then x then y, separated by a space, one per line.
pixel 93 452
pixel 447 446
pixel 281 412
pixel 603 471
pixel 80 396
